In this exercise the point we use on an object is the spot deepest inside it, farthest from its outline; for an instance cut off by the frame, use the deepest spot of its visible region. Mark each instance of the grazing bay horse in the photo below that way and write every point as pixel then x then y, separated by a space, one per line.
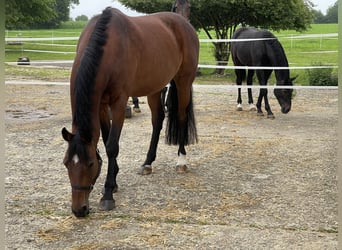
pixel 120 56
pixel 261 49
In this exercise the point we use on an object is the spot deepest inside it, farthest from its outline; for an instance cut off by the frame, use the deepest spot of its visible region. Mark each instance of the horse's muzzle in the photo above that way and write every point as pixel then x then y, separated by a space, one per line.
pixel 82 212
pixel 285 109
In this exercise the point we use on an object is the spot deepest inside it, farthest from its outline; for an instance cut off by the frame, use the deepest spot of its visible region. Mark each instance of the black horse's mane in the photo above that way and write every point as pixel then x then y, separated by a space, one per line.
pixel 279 53
pixel 279 57
pixel 84 86
pixel 86 74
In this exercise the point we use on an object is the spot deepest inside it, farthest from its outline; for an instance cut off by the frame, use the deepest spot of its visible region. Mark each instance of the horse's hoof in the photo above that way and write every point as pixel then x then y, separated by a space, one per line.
pixel 181 169
pixel 252 107
pixel 239 107
pixel 107 205
pixel 137 110
pixel 260 114
pixel 145 170
pixel 270 116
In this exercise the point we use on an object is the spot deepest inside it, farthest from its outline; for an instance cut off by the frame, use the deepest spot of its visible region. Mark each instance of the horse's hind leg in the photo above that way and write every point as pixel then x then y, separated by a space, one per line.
pixel 181 122
pixel 158 115
pixel 240 76
pixel 136 107
pixel 249 90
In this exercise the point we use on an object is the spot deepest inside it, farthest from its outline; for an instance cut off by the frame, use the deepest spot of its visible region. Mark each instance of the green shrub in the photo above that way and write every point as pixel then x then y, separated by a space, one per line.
pixel 321 76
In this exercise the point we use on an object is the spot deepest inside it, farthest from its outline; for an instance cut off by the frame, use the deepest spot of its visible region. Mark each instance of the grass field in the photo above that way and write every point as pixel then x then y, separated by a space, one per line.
pixel 300 52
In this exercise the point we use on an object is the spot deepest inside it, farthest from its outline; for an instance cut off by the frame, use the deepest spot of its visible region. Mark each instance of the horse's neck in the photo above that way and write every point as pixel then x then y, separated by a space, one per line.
pixel 279 60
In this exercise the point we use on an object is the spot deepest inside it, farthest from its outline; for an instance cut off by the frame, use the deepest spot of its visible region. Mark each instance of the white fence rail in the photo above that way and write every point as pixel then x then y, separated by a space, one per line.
pixel 27 40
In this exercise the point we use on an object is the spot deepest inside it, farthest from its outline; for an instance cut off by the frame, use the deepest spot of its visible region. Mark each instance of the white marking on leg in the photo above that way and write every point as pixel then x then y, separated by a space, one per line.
pixel 252 107
pixel 75 159
pixel 181 160
pixel 239 107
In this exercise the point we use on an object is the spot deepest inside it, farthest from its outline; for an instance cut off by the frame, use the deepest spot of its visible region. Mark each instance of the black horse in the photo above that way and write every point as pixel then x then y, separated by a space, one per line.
pixel 261 49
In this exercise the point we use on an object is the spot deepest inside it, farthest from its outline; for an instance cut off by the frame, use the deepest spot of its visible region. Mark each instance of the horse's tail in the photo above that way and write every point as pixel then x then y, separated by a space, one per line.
pixel 87 71
pixel 173 132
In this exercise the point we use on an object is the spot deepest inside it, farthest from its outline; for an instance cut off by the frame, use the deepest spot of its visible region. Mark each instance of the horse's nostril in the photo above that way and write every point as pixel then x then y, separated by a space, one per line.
pixel 82 212
pixel 85 209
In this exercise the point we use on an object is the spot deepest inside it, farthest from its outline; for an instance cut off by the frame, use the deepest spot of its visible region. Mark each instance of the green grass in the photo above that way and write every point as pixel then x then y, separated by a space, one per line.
pixel 300 52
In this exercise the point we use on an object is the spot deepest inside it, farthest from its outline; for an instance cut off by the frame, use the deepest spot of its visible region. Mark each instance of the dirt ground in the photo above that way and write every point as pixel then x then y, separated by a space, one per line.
pixel 254 183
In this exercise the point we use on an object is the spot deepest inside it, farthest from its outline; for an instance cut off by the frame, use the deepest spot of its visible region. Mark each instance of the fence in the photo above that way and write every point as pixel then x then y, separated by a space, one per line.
pixel 206 48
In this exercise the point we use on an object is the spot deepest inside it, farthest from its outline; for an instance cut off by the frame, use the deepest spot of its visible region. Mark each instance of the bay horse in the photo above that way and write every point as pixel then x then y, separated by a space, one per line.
pixel 181 7
pixel 267 51
pixel 120 56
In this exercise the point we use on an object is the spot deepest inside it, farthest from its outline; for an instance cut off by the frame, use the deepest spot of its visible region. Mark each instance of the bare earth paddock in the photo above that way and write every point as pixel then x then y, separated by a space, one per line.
pixel 254 183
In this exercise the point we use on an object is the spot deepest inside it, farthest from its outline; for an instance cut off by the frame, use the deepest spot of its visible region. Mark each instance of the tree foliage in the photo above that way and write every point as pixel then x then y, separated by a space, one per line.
pixel 22 14
pixel 81 18
pixel 332 14
pixel 220 18
pixel 330 17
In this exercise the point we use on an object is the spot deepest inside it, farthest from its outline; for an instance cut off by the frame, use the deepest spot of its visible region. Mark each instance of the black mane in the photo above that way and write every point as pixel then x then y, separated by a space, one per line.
pixel 86 74
pixel 278 57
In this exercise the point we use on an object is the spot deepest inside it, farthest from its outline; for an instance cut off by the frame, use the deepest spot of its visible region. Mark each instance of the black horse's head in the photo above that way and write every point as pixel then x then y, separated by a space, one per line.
pixel 84 165
pixel 284 95
pixel 182 7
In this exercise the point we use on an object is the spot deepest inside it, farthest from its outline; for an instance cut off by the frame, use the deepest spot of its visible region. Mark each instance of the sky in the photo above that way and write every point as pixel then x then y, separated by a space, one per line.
pixel 91 7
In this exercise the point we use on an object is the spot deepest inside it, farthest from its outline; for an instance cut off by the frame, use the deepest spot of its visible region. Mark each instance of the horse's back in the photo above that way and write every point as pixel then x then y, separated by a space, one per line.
pixel 249 52
pixel 153 49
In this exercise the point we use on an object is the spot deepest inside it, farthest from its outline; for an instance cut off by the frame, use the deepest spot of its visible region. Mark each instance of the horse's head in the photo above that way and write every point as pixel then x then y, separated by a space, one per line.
pixel 284 96
pixel 84 165
pixel 182 7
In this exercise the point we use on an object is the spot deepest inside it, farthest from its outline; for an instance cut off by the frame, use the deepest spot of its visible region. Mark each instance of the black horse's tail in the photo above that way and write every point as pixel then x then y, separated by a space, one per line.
pixel 173 131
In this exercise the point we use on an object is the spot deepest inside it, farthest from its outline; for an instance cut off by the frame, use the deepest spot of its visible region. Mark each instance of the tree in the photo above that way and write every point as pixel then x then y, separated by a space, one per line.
pixel 81 18
pixel 332 14
pixel 22 14
pixel 62 13
pixel 220 18
pixel 318 16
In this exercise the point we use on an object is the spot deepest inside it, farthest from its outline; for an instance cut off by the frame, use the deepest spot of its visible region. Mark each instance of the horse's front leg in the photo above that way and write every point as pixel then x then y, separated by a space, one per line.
pixel 258 104
pixel 105 115
pixel 158 116
pixel 107 201
pixel 268 107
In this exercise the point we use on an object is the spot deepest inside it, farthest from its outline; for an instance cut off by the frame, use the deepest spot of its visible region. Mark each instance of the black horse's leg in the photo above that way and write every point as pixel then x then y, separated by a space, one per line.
pixel 250 95
pixel 263 76
pixel 105 116
pixel 112 149
pixel 267 74
pixel 268 107
pixel 240 75
pixel 136 107
pixel 158 115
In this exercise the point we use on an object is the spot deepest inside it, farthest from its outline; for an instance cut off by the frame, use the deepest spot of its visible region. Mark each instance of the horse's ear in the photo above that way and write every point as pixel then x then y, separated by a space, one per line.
pixel 293 78
pixel 67 136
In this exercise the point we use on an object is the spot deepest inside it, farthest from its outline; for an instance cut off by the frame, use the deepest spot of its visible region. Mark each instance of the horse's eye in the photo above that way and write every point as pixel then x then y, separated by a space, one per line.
pixel 91 164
